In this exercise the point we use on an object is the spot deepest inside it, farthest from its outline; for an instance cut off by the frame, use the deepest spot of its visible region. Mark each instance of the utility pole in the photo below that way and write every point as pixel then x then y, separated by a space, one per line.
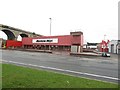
pixel 104 43
pixel 50 25
pixel 50 30
pixel 104 37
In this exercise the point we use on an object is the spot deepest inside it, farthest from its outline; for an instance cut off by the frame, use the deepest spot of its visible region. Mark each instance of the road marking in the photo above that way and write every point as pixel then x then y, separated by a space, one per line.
pixel 52 68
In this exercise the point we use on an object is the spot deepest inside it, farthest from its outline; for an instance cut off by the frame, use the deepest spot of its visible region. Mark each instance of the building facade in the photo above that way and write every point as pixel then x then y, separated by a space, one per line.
pixel 0 42
pixel 63 42
pixel 103 46
pixel 114 46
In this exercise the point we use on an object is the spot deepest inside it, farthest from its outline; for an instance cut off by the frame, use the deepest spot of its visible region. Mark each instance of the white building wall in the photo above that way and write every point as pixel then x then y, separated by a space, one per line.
pixel 118 48
pixel 74 49
pixel 94 47
pixel 114 42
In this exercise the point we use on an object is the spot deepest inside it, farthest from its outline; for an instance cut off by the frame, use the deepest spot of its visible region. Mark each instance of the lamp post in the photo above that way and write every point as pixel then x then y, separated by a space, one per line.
pixel 104 37
pixel 50 25
pixel 50 31
pixel 104 46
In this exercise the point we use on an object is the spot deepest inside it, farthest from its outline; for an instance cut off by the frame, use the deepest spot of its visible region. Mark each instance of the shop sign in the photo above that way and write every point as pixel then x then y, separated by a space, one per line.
pixel 47 40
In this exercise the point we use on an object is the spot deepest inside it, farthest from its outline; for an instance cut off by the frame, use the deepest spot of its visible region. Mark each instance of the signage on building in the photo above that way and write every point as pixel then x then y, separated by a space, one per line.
pixel 47 40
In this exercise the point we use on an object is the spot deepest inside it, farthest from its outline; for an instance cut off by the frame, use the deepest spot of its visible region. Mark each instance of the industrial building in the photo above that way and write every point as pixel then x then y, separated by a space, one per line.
pixel 114 46
pixel 63 42
pixel 96 47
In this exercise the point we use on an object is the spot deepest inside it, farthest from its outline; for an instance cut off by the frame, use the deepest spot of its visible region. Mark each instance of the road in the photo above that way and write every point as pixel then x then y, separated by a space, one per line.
pixel 105 70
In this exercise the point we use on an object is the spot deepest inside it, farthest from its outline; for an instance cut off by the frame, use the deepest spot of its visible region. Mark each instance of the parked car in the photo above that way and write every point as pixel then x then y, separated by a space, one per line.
pixel 104 54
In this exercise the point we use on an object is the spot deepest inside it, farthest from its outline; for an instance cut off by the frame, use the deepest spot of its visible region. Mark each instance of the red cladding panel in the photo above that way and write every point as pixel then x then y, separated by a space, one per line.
pixel 13 43
pixel 26 41
pixel 65 40
pixel 82 40
pixel 62 40
pixel 76 40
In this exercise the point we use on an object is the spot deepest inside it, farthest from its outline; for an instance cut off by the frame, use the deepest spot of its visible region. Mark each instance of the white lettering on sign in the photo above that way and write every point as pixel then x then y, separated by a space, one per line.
pixel 47 40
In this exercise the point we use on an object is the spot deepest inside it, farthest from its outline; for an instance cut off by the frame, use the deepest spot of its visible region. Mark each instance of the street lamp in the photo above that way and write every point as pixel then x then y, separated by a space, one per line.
pixel 50 25
pixel 104 46
pixel 50 30
pixel 104 37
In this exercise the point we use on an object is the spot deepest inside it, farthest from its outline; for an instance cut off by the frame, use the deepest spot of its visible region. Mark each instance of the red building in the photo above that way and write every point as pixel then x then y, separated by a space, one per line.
pixel 63 42
pixel 103 46
pixel 13 44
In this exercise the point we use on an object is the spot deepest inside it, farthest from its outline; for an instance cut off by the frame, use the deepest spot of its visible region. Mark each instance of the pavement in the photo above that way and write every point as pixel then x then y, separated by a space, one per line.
pixel 113 57
pixel 83 54
pixel 31 50
pixel 87 55
pixel 94 68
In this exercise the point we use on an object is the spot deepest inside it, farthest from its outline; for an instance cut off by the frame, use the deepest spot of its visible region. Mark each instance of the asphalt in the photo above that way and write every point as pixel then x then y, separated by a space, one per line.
pixel 84 54
pixel 77 66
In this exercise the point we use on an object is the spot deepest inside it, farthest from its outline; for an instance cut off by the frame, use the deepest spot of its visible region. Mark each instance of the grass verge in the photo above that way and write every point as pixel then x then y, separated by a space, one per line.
pixel 22 77
pixel 0 75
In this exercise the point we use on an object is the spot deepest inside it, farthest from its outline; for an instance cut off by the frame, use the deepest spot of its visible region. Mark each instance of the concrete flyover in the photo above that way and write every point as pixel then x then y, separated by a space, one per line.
pixel 13 33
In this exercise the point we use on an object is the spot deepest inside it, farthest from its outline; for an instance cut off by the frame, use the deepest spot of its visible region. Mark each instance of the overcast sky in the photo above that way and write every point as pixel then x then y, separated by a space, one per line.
pixel 94 18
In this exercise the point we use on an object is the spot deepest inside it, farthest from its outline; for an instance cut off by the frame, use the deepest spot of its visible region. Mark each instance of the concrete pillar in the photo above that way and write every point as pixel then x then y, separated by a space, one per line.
pixel 81 48
pixel 0 42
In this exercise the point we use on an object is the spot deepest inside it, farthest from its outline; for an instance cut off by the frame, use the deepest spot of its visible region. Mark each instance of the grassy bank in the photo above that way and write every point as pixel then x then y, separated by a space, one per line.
pixel 23 77
pixel 0 76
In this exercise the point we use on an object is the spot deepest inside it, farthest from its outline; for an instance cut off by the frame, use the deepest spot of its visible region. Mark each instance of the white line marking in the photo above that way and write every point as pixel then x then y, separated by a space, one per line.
pixel 52 68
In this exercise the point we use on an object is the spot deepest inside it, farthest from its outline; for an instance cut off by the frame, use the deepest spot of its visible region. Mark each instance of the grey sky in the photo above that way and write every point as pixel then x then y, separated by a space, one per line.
pixel 94 17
